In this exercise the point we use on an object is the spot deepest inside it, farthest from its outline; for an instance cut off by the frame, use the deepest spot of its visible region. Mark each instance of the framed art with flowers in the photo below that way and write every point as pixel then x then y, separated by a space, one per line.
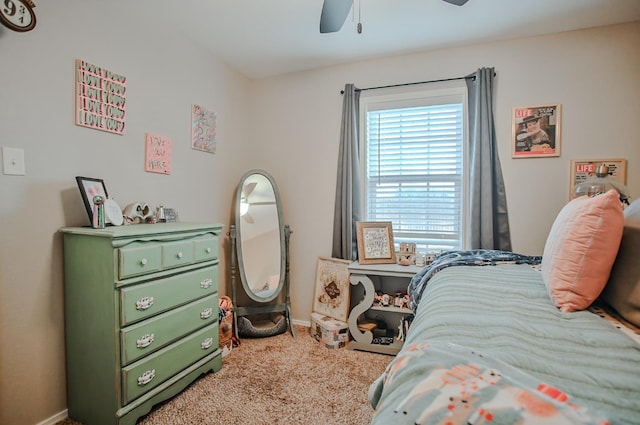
pixel 90 187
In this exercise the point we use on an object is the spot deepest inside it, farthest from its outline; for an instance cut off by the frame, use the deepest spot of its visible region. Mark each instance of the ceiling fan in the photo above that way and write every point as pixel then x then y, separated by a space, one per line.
pixel 245 203
pixel 334 13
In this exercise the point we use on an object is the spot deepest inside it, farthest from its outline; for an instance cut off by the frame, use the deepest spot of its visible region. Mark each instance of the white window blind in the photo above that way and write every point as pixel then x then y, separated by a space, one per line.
pixel 414 173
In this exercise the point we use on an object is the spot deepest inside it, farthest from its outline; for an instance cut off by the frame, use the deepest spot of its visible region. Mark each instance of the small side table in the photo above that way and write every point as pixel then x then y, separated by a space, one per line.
pixel 387 278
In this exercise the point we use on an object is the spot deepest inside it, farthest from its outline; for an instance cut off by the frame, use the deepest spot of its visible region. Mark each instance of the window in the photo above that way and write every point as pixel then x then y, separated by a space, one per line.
pixel 414 166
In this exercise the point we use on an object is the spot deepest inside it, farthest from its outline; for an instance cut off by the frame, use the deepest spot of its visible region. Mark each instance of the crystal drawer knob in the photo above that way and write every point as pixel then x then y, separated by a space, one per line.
pixel 143 262
pixel 207 343
pixel 179 255
pixel 205 314
pixel 204 284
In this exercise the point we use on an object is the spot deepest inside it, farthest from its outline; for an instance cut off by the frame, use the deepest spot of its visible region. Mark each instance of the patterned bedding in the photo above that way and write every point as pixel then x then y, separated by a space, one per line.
pixel 487 346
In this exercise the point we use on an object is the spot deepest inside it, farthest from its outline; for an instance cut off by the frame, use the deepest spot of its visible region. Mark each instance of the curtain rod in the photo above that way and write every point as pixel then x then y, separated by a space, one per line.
pixel 472 77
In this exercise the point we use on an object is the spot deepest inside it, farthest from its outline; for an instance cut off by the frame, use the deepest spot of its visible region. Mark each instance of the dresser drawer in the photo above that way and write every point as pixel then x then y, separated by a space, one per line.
pixel 147 257
pixel 143 375
pixel 138 259
pixel 205 248
pixel 146 337
pixel 138 302
pixel 176 254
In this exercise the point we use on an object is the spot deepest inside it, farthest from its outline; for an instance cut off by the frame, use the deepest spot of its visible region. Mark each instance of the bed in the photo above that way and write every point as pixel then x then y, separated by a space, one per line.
pixel 497 340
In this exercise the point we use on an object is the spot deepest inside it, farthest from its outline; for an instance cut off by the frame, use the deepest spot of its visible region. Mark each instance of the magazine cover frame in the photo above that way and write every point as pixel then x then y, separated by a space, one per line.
pixel 581 169
pixel 526 124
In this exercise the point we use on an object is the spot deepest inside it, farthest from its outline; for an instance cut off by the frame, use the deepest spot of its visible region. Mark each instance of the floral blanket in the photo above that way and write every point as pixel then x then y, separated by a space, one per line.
pixel 461 386
pixel 487 346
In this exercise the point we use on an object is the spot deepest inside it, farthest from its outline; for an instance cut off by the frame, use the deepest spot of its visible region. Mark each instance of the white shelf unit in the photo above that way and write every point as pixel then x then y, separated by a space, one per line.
pixel 365 280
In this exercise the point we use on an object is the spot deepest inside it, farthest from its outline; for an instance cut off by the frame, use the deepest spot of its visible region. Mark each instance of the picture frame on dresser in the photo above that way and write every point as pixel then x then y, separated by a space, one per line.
pixel 375 242
pixel 90 187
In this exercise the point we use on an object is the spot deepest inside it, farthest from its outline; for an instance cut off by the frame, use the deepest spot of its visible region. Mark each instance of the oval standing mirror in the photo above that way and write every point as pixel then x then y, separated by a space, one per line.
pixel 260 243
pixel 260 236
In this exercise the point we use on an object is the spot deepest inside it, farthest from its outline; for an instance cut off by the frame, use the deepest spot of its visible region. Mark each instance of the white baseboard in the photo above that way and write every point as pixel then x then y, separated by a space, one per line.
pixel 301 323
pixel 55 418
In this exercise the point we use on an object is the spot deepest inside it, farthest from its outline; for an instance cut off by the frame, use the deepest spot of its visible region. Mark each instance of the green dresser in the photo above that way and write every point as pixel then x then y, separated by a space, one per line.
pixel 141 316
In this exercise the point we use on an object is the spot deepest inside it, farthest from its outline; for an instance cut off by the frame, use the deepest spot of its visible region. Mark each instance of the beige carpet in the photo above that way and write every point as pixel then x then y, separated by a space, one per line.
pixel 278 380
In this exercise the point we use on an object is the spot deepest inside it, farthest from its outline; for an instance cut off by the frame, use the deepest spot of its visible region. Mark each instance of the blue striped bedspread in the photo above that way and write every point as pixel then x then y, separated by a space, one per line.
pixel 472 321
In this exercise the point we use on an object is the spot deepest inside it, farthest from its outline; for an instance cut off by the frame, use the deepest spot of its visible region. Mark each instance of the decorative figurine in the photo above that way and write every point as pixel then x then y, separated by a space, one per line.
pixel 160 216
pixel 406 256
pixel 98 212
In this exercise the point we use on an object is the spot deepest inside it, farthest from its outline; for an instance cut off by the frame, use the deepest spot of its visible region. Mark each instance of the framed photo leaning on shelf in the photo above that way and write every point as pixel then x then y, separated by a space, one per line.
pixel 375 242
pixel 331 293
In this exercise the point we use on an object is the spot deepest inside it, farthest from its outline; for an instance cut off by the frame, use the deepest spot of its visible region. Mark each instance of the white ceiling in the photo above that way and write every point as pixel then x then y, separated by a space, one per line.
pixel 263 38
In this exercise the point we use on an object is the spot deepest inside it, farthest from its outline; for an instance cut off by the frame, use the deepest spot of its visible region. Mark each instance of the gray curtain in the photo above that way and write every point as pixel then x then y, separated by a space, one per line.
pixel 348 208
pixel 489 223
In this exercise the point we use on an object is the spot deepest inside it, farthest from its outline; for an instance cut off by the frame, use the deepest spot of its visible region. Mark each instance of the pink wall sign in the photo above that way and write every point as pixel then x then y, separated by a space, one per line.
pixel 100 98
pixel 157 154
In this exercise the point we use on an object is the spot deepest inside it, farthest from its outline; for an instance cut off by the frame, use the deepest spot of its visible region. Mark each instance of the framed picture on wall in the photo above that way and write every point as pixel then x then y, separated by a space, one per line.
pixel 536 131
pixel 582 169
pixel 375 242
pixel 331 294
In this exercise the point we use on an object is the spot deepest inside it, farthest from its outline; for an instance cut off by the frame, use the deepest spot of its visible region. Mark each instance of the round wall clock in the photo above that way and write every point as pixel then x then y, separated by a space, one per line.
pixel 18 15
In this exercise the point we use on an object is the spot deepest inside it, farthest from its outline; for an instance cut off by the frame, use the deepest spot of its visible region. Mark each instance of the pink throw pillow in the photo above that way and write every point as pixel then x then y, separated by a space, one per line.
pixel 581 249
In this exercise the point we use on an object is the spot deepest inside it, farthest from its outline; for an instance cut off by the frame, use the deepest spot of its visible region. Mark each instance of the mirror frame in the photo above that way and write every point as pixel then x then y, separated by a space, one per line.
pixel 281 233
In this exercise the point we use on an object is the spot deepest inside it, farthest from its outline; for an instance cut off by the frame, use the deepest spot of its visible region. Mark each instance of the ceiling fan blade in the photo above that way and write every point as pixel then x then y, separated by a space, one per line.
pixel 334 13
pixel 246 191
pixel 456 2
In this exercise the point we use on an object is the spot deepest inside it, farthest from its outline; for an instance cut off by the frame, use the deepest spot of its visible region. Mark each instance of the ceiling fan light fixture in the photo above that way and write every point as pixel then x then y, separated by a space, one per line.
pixel 244 207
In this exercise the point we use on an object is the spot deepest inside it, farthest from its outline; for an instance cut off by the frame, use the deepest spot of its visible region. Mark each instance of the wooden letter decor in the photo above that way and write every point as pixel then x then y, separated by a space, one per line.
pixel 100 98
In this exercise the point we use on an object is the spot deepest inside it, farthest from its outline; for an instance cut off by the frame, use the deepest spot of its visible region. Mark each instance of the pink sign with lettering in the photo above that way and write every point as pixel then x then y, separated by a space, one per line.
pixel 157 154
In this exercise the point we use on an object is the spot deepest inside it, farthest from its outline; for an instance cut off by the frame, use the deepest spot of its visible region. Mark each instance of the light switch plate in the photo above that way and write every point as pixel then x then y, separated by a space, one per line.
pixel 13 161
